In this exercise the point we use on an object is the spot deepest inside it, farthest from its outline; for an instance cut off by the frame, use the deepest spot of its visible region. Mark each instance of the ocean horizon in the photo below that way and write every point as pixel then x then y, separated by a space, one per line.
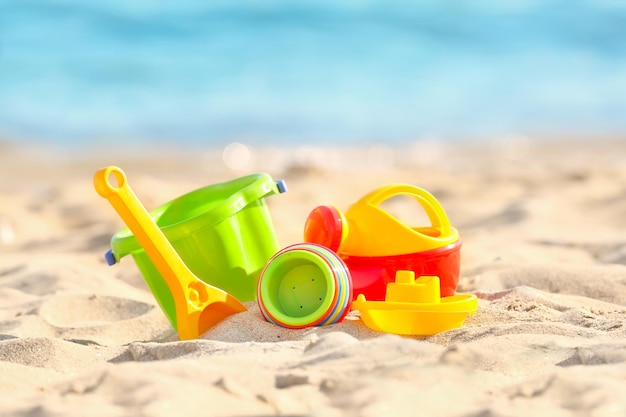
pixel 76 72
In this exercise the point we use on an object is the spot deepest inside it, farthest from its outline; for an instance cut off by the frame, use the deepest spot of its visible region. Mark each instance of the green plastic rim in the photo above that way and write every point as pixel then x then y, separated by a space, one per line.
pixel 199 209
pixel 297 288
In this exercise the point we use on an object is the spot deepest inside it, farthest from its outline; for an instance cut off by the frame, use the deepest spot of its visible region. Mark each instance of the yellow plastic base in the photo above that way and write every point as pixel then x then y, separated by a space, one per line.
pixel 413 307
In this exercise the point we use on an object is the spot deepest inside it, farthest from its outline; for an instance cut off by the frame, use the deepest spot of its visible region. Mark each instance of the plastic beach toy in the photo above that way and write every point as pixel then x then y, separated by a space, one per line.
pixel 305 285
pixel 374 244
pixel 368 230
pixel 371 275
pixel 223 233
pixel 198 306
pixel 414 307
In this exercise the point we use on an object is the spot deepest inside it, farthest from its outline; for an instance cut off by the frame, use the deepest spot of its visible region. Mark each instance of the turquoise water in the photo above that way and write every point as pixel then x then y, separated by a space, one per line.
pixel 76 71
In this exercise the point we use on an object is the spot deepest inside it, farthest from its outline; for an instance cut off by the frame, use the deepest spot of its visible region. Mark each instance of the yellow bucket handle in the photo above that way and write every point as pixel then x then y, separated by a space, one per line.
pixel 436 214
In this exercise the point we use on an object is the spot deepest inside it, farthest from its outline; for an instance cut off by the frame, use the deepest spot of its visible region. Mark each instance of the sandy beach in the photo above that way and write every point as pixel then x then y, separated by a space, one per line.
pixel 543 224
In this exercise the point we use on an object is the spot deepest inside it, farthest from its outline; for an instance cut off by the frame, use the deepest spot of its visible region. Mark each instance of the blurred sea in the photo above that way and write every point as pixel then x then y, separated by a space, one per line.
pixel 74 71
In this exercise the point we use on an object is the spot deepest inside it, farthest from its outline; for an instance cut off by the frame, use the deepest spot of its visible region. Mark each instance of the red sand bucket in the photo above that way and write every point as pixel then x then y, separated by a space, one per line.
pixel 304 285
pixel 370 275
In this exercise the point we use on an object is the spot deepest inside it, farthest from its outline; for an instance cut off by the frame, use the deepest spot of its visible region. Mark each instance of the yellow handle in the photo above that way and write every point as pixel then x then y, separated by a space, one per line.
pixel 136 217
pixel 436 214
